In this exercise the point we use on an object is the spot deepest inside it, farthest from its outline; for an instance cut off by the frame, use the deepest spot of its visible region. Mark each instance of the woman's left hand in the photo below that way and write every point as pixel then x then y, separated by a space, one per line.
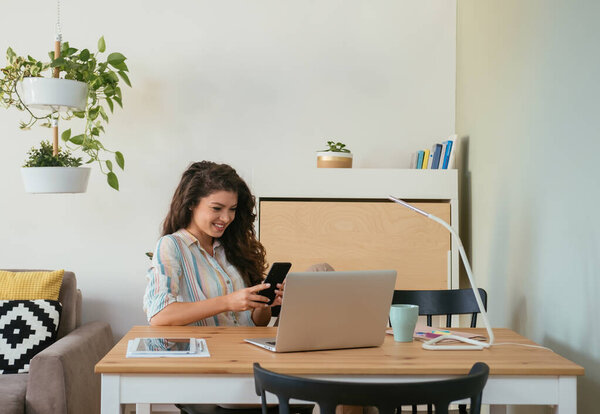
pixel 278 294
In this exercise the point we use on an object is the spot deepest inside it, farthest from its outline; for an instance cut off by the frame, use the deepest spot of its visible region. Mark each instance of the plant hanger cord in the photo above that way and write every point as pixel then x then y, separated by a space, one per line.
pixel 56 72
pixel 58 28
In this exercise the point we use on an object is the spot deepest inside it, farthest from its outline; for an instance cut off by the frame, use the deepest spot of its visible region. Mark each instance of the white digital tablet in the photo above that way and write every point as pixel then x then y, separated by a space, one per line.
pixel 162 345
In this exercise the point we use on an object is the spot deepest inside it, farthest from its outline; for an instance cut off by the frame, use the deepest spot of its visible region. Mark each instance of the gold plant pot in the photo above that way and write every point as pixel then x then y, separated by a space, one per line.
pixel 330 159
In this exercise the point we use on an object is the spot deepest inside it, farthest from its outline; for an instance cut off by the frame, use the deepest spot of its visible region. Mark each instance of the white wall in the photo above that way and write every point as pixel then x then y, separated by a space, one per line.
pixel 527 105
pixel 244 82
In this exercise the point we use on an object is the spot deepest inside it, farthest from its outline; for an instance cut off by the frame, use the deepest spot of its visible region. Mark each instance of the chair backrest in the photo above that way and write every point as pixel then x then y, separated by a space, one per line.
pixel 443 302
pixel 387 397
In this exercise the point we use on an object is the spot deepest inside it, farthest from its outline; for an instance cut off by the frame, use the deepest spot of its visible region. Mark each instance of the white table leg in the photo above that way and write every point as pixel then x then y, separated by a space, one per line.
pixel 110 401
pixel 497 409
pixel 143 409
pixel 567 396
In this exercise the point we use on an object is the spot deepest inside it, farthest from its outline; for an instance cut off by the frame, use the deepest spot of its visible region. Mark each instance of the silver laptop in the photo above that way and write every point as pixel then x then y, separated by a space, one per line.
pixel 332 310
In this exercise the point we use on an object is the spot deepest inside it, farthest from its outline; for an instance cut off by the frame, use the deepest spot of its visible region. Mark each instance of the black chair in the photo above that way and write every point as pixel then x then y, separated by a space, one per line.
pixel 387 397
pixel 443 302
pixel 215 409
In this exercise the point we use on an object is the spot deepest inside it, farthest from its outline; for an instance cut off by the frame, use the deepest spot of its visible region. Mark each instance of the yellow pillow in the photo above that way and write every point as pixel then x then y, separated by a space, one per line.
pixel 30 285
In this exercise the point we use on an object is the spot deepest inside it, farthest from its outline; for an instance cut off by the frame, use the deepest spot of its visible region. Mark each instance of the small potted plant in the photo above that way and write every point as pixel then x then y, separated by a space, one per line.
pixel 84 86
pixel 335 156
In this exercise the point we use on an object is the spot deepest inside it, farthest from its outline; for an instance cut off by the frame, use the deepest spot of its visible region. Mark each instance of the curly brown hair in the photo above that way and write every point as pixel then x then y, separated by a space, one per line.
pixel 242 248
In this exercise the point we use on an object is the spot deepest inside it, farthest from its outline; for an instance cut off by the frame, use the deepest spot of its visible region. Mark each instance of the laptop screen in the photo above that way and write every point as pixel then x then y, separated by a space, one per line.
pixel 330 310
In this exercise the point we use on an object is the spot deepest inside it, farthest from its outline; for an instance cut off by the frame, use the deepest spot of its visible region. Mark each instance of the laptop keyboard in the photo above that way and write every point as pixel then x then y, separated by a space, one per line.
pixel 270 342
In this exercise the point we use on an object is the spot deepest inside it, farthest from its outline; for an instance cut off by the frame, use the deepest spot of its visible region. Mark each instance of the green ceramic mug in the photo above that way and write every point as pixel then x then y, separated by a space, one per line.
pixel 404 319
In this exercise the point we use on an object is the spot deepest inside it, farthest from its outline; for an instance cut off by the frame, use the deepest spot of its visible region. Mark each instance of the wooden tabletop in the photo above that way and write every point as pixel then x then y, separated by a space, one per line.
pixel 231 355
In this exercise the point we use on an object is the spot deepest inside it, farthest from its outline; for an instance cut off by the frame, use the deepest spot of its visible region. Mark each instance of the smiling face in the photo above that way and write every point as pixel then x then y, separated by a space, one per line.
pixel 212 215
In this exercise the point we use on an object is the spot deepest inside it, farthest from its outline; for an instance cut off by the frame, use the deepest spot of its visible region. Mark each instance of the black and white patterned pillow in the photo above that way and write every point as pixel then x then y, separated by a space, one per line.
pixel 26 328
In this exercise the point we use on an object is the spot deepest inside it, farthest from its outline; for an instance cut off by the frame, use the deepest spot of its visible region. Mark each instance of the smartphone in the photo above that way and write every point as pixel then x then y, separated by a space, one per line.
pixel 276 275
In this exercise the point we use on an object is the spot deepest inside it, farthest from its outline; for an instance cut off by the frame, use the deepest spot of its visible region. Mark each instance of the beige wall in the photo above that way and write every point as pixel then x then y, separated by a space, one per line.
pixel 251 83
pixel 528 112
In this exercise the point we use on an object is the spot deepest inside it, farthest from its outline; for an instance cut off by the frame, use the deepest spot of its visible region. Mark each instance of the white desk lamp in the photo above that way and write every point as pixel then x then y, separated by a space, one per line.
pixel 472 344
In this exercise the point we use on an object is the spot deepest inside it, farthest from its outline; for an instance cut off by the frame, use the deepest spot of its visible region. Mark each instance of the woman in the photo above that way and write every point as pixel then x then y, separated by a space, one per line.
pixel 208 265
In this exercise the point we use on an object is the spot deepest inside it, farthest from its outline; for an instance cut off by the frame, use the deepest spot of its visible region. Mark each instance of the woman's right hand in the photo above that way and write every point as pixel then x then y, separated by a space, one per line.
pixel 248 298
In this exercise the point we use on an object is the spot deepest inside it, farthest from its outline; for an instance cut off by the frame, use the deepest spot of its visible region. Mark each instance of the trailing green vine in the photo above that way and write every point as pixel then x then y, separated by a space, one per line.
pixel 103 78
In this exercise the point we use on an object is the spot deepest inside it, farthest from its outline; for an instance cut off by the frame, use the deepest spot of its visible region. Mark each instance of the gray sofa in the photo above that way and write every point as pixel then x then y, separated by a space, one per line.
pixel 61 378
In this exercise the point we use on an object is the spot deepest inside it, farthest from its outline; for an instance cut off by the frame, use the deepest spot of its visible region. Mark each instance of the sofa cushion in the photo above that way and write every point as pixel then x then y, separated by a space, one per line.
pixel 26 328
pixel 30 285
pixel 12 394
pixel 70 299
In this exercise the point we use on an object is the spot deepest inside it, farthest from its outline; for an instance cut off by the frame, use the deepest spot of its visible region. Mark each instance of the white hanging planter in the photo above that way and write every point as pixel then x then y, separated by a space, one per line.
pixel 55 179
pixel 54 93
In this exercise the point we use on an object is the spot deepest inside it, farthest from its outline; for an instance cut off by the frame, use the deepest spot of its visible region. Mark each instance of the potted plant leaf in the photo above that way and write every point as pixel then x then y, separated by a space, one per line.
pixel 335 156
pixel 84 86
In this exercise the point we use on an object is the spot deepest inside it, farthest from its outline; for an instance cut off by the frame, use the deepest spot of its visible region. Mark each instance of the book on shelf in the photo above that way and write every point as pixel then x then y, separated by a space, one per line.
pixel 413 160
pixel 430 162
pixel 441 156
pixel 436 156
pixel 452 157
pixel 447 150
pixel 425 159
pixel 420 159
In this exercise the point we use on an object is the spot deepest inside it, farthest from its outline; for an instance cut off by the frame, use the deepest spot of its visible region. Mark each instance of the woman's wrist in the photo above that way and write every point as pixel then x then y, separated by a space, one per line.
pixel 261 316
pixel 225 302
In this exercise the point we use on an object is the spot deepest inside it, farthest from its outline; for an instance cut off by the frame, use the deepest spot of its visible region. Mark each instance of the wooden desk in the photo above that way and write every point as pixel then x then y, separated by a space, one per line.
pixel 518 375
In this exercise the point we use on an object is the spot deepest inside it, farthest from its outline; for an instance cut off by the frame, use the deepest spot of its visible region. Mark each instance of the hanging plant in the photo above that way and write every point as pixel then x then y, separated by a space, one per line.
pixel 103 78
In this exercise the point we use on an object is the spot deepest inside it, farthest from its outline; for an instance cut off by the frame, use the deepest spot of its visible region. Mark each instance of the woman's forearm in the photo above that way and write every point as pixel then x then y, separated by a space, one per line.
pixel 184 313
pixel 261 316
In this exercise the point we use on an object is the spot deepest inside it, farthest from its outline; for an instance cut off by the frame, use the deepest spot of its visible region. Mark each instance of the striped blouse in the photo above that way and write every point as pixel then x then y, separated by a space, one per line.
pixel 182 271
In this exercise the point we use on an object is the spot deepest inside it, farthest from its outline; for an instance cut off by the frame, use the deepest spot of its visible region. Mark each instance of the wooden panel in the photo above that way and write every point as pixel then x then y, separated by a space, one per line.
pixel 229 354
pixel 355 235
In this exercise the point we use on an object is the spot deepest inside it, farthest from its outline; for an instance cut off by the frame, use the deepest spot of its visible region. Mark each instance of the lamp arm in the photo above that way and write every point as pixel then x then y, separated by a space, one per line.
pixel 465 260
pixel 463 256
